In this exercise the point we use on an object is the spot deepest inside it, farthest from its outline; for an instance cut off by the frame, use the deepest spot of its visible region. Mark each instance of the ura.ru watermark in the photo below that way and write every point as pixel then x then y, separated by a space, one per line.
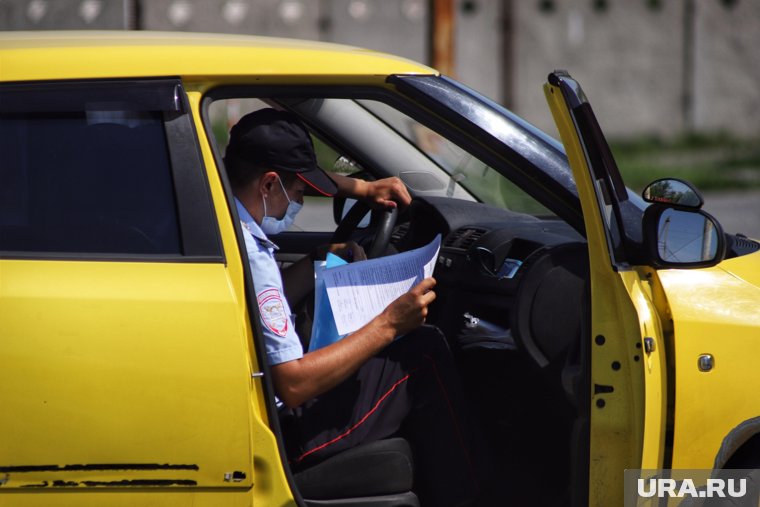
pixel 715 488
pixel 690 488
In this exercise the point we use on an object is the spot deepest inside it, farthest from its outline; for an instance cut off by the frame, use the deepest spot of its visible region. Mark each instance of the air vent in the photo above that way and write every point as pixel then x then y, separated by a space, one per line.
pixel 744 245
pixel 463 238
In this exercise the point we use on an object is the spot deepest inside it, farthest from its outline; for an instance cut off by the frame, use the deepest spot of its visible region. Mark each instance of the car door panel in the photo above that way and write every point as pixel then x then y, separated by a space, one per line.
pixel 628 386
pixel 113 349
pixel 125 361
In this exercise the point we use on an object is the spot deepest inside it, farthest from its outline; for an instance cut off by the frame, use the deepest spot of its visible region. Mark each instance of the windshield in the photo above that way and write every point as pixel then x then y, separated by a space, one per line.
pixel 521 153
pixel 537 147
pixel 440 138
pixel 462 168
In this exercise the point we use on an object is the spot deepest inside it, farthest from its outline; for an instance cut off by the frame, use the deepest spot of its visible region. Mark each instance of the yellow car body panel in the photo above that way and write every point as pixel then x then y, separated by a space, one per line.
pixel 715 312
pixel 647 299
pixel 84 55
pixel 628 405
pixel 156 375
pixel 271 485
pixel 181 339
pixel 168 323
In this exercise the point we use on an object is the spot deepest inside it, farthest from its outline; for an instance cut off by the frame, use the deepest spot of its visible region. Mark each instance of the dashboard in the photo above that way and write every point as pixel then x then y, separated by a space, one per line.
pixel 498 267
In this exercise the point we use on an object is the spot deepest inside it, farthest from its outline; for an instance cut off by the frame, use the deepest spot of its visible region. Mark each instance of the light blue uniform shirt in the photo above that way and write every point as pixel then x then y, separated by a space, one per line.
pixel 280 338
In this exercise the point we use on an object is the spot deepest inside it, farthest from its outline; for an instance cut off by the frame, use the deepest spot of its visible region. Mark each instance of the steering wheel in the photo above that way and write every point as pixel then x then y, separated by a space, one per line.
pixel 546 316
pixel 386 220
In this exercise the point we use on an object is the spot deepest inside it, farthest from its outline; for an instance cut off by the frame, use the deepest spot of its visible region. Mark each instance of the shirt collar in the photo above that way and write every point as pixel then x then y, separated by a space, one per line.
pixel 251 226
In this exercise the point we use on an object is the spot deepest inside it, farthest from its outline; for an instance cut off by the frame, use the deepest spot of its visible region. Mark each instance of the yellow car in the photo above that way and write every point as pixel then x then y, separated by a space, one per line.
pixel 595 330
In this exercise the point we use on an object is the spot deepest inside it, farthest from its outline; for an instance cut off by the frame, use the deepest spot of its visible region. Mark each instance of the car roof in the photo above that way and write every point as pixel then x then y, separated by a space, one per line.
pixel 111 54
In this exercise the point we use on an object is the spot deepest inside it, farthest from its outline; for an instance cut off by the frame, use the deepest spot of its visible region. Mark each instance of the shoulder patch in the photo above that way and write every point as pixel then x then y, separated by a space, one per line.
pixel 272 311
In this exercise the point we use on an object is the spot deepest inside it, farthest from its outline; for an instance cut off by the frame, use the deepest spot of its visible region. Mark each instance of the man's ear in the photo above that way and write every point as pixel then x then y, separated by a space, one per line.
pixel 267 182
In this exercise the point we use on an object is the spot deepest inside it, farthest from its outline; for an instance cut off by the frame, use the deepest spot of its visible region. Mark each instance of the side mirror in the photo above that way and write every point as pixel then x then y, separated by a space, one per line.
pixel 673 191
pixel 682 238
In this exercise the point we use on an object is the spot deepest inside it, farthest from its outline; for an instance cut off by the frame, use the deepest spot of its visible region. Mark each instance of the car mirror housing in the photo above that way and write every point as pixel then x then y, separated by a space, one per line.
pixel 682 238
pixel 675 192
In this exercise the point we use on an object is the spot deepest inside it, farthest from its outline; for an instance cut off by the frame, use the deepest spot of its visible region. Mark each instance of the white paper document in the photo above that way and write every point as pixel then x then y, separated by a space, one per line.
pixel 358 292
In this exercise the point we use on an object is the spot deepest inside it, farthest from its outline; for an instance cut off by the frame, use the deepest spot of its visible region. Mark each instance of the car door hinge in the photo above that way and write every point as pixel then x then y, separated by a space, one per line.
pixel 649 345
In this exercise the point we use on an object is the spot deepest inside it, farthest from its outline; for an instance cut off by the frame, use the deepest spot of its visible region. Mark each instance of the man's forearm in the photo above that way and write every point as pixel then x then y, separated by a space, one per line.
pixel 349 187
pixel 388 192
pixel 319 371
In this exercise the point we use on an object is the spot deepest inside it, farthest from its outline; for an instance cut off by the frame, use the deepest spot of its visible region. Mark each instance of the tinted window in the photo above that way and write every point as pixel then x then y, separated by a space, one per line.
pixel 85 169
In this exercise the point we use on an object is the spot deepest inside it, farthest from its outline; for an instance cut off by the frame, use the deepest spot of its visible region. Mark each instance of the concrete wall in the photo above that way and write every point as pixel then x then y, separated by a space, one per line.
pixel 651 67
pixel 727 68
pixel 63 14
pixel 262 17
pixel 654 71
pixel 626 58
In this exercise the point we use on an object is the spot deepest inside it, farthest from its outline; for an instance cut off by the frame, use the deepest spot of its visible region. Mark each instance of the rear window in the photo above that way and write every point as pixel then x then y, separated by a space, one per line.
pixel 86 169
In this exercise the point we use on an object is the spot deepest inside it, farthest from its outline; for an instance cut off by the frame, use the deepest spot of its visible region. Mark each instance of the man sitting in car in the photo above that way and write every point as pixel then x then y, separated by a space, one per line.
pixel 369 385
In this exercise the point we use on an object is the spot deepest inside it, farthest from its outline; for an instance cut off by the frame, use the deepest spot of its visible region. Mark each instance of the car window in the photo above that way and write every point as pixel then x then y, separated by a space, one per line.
pixel 320 217
pixel 387 141
pixel 461 167
pixel 225 113
pixel 86 170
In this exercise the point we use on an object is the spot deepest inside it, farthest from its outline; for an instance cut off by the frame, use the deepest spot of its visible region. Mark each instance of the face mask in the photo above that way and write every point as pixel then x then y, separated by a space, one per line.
pixel 272 226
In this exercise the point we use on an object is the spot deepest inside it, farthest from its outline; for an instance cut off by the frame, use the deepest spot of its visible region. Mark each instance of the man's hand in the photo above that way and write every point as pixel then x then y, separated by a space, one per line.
pixel 387 193
pixel 409 311
pixel 380 194
pixel 319 371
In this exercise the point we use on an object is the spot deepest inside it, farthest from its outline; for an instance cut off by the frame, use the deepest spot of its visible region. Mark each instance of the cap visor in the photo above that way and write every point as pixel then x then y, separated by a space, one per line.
pixel 319 180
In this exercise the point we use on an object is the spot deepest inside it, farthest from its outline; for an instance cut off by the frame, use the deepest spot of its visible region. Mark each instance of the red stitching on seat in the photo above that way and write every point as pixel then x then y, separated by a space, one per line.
pixel 455 422
pixel 361 421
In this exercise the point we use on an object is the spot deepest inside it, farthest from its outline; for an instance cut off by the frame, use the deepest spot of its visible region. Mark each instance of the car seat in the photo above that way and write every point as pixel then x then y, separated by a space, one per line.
pixel 377 474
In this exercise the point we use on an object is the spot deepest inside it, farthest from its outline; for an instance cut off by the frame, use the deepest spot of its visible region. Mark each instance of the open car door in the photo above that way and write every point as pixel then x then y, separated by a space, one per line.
pixel 628 375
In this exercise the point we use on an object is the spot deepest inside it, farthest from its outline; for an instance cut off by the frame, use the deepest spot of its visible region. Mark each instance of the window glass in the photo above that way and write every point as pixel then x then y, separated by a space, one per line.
pixel 84 173
pixel 319 217
pixel 388 142
pixel 462 168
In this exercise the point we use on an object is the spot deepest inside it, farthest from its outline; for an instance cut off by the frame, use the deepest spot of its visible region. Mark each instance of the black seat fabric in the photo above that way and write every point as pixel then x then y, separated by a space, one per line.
pixel 379 468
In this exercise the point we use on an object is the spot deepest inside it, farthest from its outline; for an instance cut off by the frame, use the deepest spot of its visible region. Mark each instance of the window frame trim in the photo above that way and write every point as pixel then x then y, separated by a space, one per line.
pixel 200 240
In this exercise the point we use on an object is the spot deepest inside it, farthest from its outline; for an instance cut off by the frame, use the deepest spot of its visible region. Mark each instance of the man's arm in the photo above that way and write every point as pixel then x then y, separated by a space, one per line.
pixel 380 194
pixel 319 371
